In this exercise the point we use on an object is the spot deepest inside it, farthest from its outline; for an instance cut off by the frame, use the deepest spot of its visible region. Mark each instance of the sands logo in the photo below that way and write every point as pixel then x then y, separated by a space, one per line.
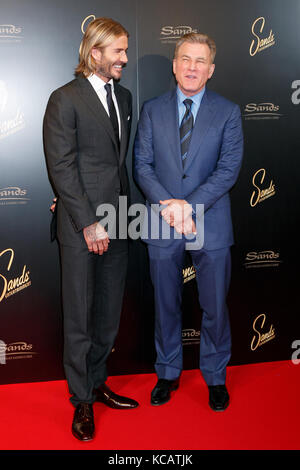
pixel 171 34
pixel 3 96
pixel 261 111
pixel 261 334
pixel 296 93
pixel 259 44
pixel 13 117
pixel 11 286
pixel 190 336
pixel 13 195
pixel 188 274
pixel 16 350
pixel 10 33
pixel 262 259
pixel 259 194
pixel 86 22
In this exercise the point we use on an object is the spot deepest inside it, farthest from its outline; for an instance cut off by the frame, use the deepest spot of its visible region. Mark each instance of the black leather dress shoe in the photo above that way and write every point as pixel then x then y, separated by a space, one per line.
pixel 162 391
pixel 83 427
pixel 111 399
pixel 218 397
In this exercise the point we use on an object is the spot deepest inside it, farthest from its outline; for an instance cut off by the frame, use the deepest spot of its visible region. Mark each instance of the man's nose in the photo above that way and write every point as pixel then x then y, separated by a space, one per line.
pixel 192 65
pixel 124 57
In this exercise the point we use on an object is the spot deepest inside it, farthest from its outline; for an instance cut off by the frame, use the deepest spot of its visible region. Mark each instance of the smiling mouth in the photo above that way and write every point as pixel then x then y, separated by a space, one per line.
pixel 118 66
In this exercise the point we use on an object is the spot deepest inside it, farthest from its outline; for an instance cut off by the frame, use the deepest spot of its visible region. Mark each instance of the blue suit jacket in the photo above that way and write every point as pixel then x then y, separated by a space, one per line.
pixel 211 168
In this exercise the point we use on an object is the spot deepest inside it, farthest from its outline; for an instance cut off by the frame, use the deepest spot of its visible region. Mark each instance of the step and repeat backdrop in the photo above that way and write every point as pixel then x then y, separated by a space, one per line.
pixel 258 67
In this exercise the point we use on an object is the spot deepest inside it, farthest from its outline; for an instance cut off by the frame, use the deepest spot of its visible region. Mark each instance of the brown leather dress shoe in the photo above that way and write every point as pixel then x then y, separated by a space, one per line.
pixel 83 427
pixel 111 399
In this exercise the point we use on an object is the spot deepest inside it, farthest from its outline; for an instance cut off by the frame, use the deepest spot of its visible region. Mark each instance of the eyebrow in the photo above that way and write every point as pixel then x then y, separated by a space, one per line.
pixel 189 57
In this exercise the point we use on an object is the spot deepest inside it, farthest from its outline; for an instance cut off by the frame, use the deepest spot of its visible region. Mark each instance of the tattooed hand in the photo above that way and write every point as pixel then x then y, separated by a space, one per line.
pixel 96 238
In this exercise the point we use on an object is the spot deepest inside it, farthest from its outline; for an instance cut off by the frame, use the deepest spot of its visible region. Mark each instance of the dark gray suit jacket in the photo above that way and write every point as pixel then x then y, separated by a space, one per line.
pixel 85 165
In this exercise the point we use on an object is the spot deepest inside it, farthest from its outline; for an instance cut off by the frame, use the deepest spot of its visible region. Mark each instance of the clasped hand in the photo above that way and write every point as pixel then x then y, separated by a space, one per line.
pixel 178 214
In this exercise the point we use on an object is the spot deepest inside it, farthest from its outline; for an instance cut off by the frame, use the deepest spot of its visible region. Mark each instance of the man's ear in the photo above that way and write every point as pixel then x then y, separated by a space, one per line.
pixel 96 54
pixel 211 70
pixel 174 66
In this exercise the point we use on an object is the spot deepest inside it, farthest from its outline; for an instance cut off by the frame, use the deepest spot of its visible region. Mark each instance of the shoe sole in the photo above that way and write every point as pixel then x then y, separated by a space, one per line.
pixel 218 411
pixel 82 440
pixel 117 408
pixel 161 403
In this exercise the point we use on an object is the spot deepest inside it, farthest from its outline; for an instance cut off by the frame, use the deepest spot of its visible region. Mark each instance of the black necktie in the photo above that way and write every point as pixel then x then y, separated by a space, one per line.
pixel 186 128
pixel 112 111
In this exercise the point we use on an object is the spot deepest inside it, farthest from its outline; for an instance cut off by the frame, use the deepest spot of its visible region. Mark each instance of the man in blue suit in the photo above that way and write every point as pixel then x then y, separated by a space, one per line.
pixel 188 153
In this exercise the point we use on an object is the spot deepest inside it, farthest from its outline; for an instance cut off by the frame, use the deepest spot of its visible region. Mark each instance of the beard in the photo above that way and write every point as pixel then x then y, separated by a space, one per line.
pixel 110 69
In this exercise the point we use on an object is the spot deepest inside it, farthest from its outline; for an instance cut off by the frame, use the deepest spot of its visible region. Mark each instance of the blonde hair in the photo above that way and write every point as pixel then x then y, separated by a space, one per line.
pixel 100 33
pixel 197 38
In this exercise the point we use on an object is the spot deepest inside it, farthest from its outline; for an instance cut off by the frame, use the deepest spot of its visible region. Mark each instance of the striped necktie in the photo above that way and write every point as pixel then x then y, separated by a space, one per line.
pixel 186 128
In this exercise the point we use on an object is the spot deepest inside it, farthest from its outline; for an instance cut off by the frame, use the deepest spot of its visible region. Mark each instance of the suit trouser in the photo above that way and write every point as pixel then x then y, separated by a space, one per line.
pixel 213 271
pixel 92 290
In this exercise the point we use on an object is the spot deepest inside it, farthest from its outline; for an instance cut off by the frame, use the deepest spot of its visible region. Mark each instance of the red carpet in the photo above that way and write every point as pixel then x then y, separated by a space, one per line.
pixel 264 414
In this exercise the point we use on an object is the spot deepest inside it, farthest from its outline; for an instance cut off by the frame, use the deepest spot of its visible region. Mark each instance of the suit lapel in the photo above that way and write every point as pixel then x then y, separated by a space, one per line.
pixel 203 122
pixel 90 97
pixel 123 119
pixel 171 126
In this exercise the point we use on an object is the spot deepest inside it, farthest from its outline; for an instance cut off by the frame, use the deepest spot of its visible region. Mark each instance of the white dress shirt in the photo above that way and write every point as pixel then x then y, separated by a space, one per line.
pixel 98 85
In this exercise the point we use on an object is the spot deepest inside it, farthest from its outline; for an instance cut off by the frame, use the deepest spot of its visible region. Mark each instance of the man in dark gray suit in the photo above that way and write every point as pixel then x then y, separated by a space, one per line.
pixel 86 132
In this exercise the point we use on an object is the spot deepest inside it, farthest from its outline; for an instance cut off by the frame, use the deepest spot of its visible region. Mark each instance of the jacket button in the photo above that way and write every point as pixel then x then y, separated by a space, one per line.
pixel 184 176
